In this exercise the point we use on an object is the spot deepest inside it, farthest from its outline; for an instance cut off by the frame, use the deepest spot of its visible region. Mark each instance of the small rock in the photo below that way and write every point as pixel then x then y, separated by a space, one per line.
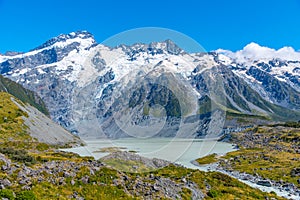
pixel 4 167
pixel 135 167
pixel 26 187
pixel 156 188
pixel 92 172
pixel 23 182
pixel 21 174
pixel 264 183
pixel 5 183
pixel 66 174
pixel 125 178
pixel 115 182
pixel 40 179
pixel 295 172
pixel 85 180
pixel 61 181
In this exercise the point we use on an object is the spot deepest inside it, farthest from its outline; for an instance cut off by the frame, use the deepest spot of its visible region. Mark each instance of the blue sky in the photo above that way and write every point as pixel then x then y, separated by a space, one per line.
pixel 214 24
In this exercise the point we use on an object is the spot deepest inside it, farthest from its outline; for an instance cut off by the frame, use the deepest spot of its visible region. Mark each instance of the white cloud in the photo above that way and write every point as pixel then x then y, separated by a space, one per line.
pixel 254 51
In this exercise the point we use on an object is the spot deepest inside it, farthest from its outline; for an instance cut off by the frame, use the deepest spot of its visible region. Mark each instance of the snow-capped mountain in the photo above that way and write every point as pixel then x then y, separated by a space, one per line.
pixel 275 74
pixel 95 90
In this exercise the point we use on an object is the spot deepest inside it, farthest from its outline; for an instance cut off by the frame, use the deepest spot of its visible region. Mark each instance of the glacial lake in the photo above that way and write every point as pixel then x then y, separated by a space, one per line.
pixel 176 150
pixel 180 151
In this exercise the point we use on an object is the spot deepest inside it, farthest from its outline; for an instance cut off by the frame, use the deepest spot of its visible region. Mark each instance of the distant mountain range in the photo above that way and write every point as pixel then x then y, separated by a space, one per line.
pixel 98 91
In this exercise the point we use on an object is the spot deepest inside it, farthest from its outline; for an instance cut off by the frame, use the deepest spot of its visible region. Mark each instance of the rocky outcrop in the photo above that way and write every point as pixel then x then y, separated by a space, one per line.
pixel 152 186
pixel 154 163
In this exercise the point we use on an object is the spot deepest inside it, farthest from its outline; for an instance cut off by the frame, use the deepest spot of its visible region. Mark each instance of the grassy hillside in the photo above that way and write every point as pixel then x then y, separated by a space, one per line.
pixel 270 152
pixel 25 95
pixel 12 129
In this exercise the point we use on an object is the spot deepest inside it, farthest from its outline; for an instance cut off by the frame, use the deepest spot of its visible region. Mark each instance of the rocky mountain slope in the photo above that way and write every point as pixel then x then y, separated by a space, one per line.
pixel 23 122
pixel 98 91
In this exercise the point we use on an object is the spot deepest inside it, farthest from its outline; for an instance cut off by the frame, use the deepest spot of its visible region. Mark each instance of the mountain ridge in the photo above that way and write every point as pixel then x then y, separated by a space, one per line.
pixel 72 67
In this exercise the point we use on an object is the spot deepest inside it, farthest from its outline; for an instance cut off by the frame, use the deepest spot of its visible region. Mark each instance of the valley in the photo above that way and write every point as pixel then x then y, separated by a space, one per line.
pixel 35 170
pixel 82 120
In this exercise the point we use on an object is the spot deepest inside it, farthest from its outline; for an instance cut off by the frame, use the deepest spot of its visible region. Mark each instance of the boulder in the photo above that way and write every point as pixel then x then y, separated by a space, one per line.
pixel 264 183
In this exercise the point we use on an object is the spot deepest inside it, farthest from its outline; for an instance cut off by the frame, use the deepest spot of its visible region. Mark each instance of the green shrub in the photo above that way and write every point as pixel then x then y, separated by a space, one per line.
pixel 42 147
pixel 211 158
pixel 5 193
pixel 213 193
pixel 25 195
pixel 18 155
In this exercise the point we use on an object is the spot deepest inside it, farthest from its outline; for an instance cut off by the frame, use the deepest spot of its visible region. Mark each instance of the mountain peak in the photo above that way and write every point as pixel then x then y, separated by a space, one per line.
pixel 11 53
pixel 167 46
pixel 81 35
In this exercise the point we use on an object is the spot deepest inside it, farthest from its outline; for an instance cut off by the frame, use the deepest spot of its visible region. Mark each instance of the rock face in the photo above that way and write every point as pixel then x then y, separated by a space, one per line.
pixel 97 91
